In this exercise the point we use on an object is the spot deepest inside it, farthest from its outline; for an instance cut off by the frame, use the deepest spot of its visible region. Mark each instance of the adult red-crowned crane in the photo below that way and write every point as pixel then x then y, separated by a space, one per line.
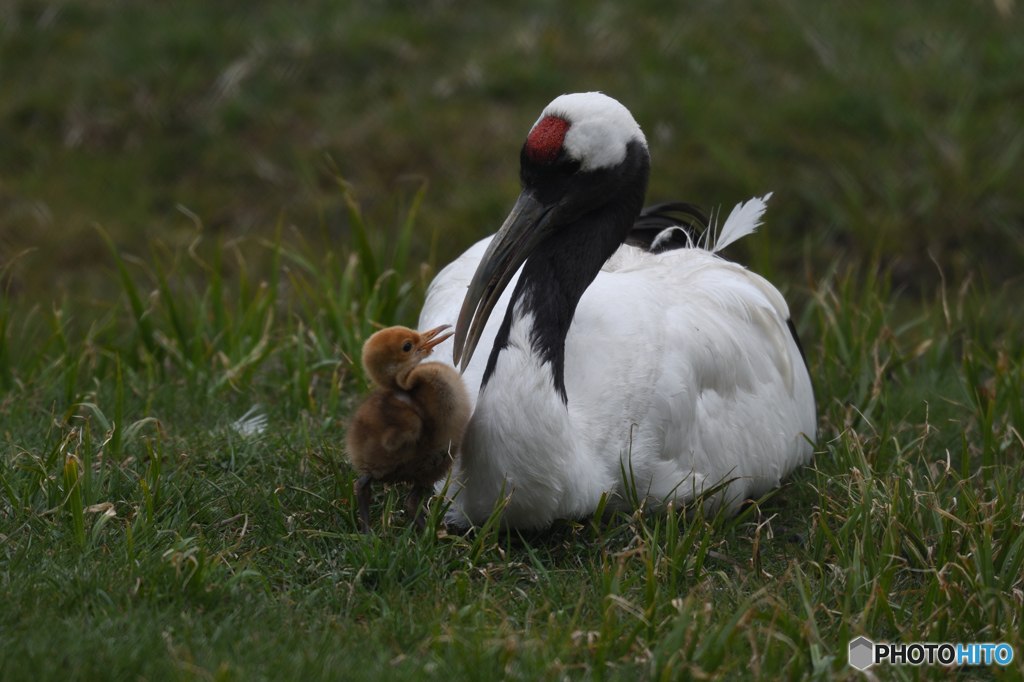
pixel 677 366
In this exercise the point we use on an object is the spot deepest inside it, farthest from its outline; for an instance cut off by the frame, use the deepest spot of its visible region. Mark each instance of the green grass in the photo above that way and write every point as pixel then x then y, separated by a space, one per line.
pixel 145 534
pixel 178 170
pixel 888 128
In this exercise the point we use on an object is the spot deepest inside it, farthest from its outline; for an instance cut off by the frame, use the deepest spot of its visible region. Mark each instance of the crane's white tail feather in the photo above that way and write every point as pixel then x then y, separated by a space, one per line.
pixel 743 220
pixel 666 235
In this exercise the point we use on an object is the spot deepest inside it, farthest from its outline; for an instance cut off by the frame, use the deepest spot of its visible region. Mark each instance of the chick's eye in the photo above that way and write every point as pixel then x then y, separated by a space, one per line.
pixel 407 347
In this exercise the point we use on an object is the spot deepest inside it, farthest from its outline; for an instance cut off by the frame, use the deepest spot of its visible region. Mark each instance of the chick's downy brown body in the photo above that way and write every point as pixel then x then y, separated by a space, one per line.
pixel 410 436
pixel 410 428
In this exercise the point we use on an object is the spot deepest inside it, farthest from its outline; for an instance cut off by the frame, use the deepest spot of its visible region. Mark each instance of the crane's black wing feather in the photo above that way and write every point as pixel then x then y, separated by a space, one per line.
pixel 689 218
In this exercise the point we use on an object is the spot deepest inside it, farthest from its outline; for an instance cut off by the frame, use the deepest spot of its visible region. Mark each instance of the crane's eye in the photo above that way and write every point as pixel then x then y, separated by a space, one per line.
pixel 407 347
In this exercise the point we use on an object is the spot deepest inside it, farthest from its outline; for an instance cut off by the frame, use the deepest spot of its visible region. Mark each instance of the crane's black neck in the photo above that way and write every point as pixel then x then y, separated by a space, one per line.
pixel 561 268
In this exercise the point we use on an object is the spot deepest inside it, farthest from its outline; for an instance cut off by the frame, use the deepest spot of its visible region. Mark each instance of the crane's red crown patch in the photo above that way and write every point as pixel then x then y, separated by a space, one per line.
pixel 545 140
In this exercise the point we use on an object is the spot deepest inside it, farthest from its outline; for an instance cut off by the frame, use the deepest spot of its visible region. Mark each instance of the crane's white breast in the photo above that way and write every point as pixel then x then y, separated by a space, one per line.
pixel 679 367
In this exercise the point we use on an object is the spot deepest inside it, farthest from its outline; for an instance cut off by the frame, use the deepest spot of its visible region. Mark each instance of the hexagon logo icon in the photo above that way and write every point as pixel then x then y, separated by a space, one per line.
pixel 862 653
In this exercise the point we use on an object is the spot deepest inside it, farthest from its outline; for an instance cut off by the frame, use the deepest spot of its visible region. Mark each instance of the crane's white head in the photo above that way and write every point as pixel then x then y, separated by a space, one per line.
pixel 591 127
pixel 585 164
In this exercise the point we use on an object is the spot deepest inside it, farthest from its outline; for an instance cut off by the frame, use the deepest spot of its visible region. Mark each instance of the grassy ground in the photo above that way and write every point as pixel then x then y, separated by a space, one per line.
pixel 889 128
pixel 148 530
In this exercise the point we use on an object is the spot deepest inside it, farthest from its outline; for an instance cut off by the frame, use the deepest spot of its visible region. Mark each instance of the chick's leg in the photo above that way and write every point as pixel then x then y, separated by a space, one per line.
pixel 414 505
pixel 361 489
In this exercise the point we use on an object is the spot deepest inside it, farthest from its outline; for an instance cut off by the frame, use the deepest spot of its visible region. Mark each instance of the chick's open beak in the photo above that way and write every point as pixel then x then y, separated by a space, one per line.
pixel 429 339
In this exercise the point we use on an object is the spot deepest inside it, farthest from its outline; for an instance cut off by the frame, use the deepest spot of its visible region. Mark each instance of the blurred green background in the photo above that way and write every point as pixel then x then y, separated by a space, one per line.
pixel 889 130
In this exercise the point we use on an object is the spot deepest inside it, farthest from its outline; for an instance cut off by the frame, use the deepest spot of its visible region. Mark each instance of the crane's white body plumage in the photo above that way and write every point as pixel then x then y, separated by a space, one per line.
pixel 679 366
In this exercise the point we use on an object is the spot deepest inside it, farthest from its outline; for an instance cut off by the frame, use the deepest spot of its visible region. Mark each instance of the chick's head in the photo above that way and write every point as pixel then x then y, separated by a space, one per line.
pixel 390 355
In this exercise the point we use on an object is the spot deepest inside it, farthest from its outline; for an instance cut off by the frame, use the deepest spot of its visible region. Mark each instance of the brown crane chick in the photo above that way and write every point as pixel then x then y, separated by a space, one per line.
pixel 410 428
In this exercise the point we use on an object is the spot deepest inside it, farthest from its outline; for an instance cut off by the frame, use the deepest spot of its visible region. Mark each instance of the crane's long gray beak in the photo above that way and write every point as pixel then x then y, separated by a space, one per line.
pixel 526 226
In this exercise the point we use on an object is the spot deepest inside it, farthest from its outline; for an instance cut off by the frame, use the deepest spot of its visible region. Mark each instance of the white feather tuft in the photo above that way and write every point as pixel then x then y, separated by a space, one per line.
pixel 666 234
pixel 743 220
pixel 250 424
